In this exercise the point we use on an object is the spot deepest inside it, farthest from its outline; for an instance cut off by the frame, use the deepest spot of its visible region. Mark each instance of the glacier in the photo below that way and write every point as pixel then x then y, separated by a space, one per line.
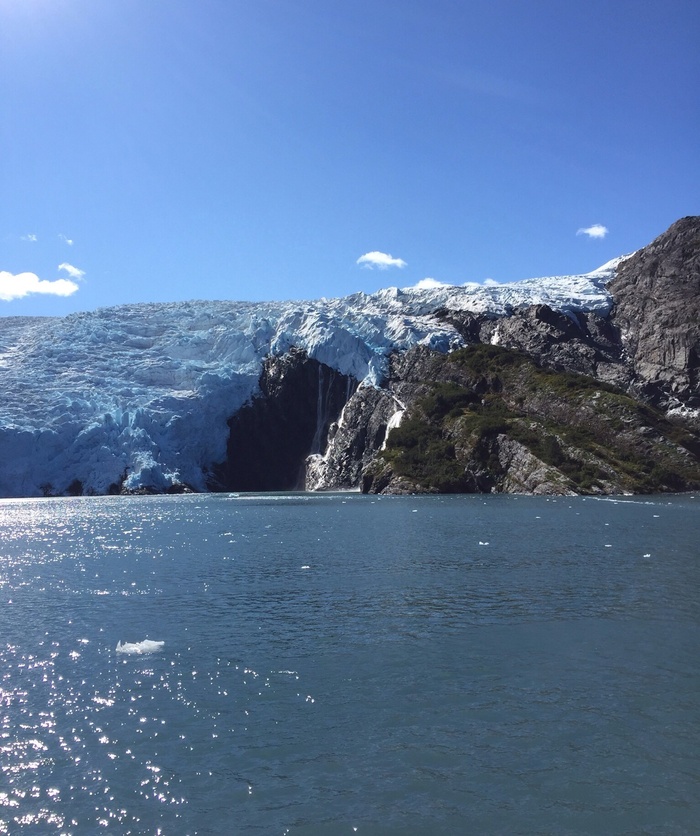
pixel 138 396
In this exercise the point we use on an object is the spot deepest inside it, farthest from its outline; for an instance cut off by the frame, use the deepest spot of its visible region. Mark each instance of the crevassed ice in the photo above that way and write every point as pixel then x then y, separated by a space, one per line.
pixel 143 392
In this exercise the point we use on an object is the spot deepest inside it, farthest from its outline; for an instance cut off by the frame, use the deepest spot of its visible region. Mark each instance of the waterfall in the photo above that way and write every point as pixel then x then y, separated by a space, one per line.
pixel 322 407
pixel 395 420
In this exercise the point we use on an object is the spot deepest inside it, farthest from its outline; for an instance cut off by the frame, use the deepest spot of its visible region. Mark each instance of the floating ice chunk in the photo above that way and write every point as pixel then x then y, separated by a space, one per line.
pixel 139 648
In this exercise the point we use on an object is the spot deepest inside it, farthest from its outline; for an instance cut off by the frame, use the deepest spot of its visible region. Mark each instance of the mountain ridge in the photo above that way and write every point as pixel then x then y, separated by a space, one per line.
pixel 142 398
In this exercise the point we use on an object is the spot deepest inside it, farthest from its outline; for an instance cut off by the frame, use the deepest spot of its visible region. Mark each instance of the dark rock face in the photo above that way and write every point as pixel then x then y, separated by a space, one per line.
pixel 657 311
pixel 585 344
pixel 272 437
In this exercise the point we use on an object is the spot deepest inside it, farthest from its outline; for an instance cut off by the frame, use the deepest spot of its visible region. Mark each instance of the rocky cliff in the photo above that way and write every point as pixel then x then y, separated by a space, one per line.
pixel 288 420
pixel 490 419
pixel 574 402
pixel 656 295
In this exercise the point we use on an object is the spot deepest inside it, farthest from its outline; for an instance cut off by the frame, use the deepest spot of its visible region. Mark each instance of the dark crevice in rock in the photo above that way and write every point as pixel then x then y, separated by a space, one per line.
pixel 271 437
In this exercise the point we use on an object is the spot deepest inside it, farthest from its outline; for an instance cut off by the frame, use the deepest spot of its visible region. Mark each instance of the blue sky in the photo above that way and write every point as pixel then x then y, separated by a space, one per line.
pixel 159 150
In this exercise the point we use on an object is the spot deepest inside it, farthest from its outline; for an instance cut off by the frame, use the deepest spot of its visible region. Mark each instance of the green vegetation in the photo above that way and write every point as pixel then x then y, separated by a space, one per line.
pixel 482 358
pixel 588 431
pixel 419 451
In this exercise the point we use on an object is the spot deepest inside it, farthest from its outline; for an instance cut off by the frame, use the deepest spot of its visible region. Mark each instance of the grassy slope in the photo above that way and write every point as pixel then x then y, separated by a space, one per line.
pixel 591 437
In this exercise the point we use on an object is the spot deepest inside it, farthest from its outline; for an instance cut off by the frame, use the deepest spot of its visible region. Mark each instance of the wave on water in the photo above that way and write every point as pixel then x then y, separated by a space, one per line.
pixel 294 496
pixel 139 648
pixel 635 501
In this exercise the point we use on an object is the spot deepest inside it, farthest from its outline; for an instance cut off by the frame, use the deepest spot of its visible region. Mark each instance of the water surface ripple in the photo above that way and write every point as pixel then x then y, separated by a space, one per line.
pixel 336 664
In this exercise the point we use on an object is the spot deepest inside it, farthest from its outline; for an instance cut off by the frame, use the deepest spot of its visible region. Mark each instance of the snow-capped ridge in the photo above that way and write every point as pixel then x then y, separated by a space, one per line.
pixel 608 270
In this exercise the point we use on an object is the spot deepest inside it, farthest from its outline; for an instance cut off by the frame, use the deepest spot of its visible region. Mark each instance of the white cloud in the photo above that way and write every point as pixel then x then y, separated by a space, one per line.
pixel 429 284
pixel 22 284
pixel 380 260
pixel 480 285
pixel 595 231
pixel 65 239
pixel 29 237
pixel 73 272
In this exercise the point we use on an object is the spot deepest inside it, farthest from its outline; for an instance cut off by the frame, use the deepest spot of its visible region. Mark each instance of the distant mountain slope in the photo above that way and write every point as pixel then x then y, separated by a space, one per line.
pixel 212 395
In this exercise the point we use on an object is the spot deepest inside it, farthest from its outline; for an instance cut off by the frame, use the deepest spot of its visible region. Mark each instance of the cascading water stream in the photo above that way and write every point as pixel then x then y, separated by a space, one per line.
pixel 322 408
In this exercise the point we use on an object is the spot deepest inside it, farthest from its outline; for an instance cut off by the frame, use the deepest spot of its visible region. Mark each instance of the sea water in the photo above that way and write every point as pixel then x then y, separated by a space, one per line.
pixel 336 663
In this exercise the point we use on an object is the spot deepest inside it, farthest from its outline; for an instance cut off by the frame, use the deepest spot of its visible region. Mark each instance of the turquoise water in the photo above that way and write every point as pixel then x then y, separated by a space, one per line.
pixel 344 664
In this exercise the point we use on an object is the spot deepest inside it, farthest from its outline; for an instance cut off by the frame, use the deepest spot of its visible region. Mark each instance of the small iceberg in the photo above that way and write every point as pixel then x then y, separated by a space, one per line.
pixel 139 648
